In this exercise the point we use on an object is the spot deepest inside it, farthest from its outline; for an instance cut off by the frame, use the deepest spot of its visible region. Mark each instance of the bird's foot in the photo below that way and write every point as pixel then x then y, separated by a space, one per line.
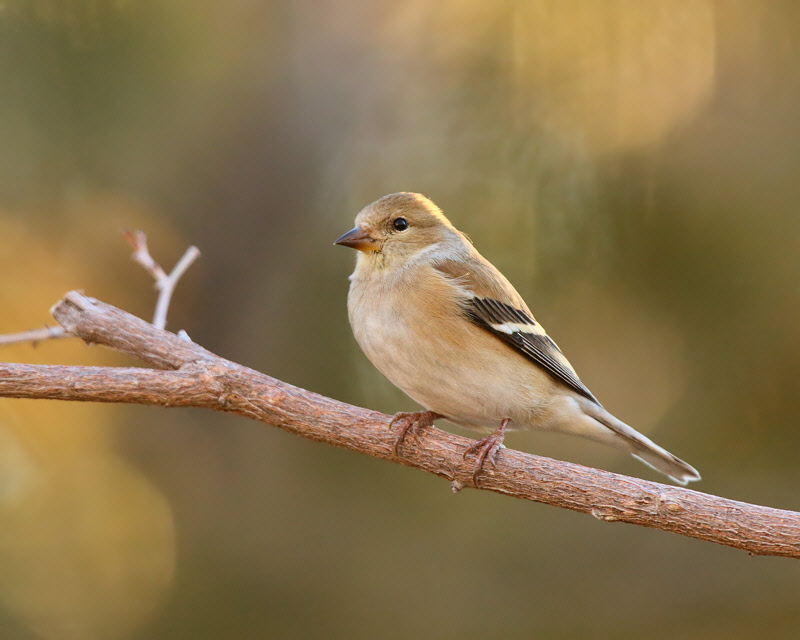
pixel 486 448
pixel 404 422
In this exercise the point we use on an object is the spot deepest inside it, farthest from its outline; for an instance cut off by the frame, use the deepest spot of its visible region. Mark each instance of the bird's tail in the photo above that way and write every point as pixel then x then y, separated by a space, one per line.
pixel 642 447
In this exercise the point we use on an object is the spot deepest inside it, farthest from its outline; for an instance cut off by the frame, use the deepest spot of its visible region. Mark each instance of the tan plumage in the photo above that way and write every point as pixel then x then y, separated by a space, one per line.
pixel 446 327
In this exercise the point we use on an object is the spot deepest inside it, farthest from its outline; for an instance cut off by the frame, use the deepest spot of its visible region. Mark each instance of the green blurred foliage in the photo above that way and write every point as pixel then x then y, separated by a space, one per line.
pixel 630 165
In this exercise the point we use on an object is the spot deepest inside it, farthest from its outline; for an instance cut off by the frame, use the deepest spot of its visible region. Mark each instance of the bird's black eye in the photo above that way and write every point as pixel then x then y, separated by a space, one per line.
pixel 400 224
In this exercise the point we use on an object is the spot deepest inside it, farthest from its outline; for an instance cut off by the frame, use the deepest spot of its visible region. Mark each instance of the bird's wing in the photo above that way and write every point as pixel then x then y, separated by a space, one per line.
pixel 494 305
pixel 520 331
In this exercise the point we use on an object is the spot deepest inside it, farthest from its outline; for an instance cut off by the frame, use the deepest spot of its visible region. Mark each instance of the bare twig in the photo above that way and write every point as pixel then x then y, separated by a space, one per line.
pixel 34 336
pixel 137 240
pixel 193 376
pixel 165 284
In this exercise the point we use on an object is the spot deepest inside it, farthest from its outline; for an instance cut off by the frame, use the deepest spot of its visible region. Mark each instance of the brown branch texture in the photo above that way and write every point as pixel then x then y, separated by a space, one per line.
pixel 184 374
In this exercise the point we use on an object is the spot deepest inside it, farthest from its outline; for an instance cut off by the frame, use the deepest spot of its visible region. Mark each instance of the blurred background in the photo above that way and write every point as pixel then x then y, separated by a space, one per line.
pixel 631 165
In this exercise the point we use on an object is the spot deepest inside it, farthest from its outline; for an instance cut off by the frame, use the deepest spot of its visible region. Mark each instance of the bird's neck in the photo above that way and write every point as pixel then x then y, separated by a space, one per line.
pixel 377 267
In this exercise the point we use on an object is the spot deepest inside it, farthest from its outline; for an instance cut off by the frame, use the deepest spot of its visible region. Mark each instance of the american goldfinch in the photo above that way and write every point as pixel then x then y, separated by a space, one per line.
pixel 447 328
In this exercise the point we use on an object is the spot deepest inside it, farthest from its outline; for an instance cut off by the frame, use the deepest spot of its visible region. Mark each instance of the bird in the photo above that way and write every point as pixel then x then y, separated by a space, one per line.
pixel 447 328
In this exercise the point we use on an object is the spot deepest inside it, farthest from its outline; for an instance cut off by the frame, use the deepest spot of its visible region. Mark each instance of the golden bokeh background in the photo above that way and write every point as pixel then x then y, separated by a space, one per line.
pixel 631 165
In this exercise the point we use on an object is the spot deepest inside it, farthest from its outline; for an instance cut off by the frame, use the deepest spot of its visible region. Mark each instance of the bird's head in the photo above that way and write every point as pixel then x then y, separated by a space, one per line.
pixel 398 228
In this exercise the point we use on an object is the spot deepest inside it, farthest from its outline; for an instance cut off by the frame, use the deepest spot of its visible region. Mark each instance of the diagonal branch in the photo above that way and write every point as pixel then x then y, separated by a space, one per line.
pixel 192 376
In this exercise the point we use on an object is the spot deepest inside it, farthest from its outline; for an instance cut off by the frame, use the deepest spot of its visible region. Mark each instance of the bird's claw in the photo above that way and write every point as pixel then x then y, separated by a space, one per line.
pixel 405 422
pixel 486 448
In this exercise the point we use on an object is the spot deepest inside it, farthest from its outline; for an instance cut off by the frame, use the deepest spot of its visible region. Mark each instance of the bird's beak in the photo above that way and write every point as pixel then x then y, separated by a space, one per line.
pixel 359 239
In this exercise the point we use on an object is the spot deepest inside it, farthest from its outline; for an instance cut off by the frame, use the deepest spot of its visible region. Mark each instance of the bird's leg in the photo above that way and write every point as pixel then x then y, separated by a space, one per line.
pixel 487 448
pixel 413 422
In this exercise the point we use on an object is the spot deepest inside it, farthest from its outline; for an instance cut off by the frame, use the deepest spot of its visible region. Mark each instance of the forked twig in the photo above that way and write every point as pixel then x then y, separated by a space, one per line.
pixel 165 284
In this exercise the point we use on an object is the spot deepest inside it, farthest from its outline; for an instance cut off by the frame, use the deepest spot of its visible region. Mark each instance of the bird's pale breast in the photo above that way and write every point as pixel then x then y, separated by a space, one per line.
pixel 439 358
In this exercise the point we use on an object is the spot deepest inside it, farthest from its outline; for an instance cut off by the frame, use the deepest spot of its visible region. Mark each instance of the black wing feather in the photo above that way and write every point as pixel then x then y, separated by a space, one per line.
pixel 538 348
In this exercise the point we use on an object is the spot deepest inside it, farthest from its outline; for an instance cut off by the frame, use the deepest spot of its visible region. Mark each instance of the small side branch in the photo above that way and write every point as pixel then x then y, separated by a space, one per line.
pixel 34 336
pixel 189 375
pixel 165 284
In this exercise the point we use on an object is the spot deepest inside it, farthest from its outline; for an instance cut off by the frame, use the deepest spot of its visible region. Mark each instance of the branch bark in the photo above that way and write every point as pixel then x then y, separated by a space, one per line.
pixel 185 374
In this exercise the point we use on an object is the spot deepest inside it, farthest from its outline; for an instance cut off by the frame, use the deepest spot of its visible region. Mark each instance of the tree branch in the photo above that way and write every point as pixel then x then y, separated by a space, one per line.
pixel 192 376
